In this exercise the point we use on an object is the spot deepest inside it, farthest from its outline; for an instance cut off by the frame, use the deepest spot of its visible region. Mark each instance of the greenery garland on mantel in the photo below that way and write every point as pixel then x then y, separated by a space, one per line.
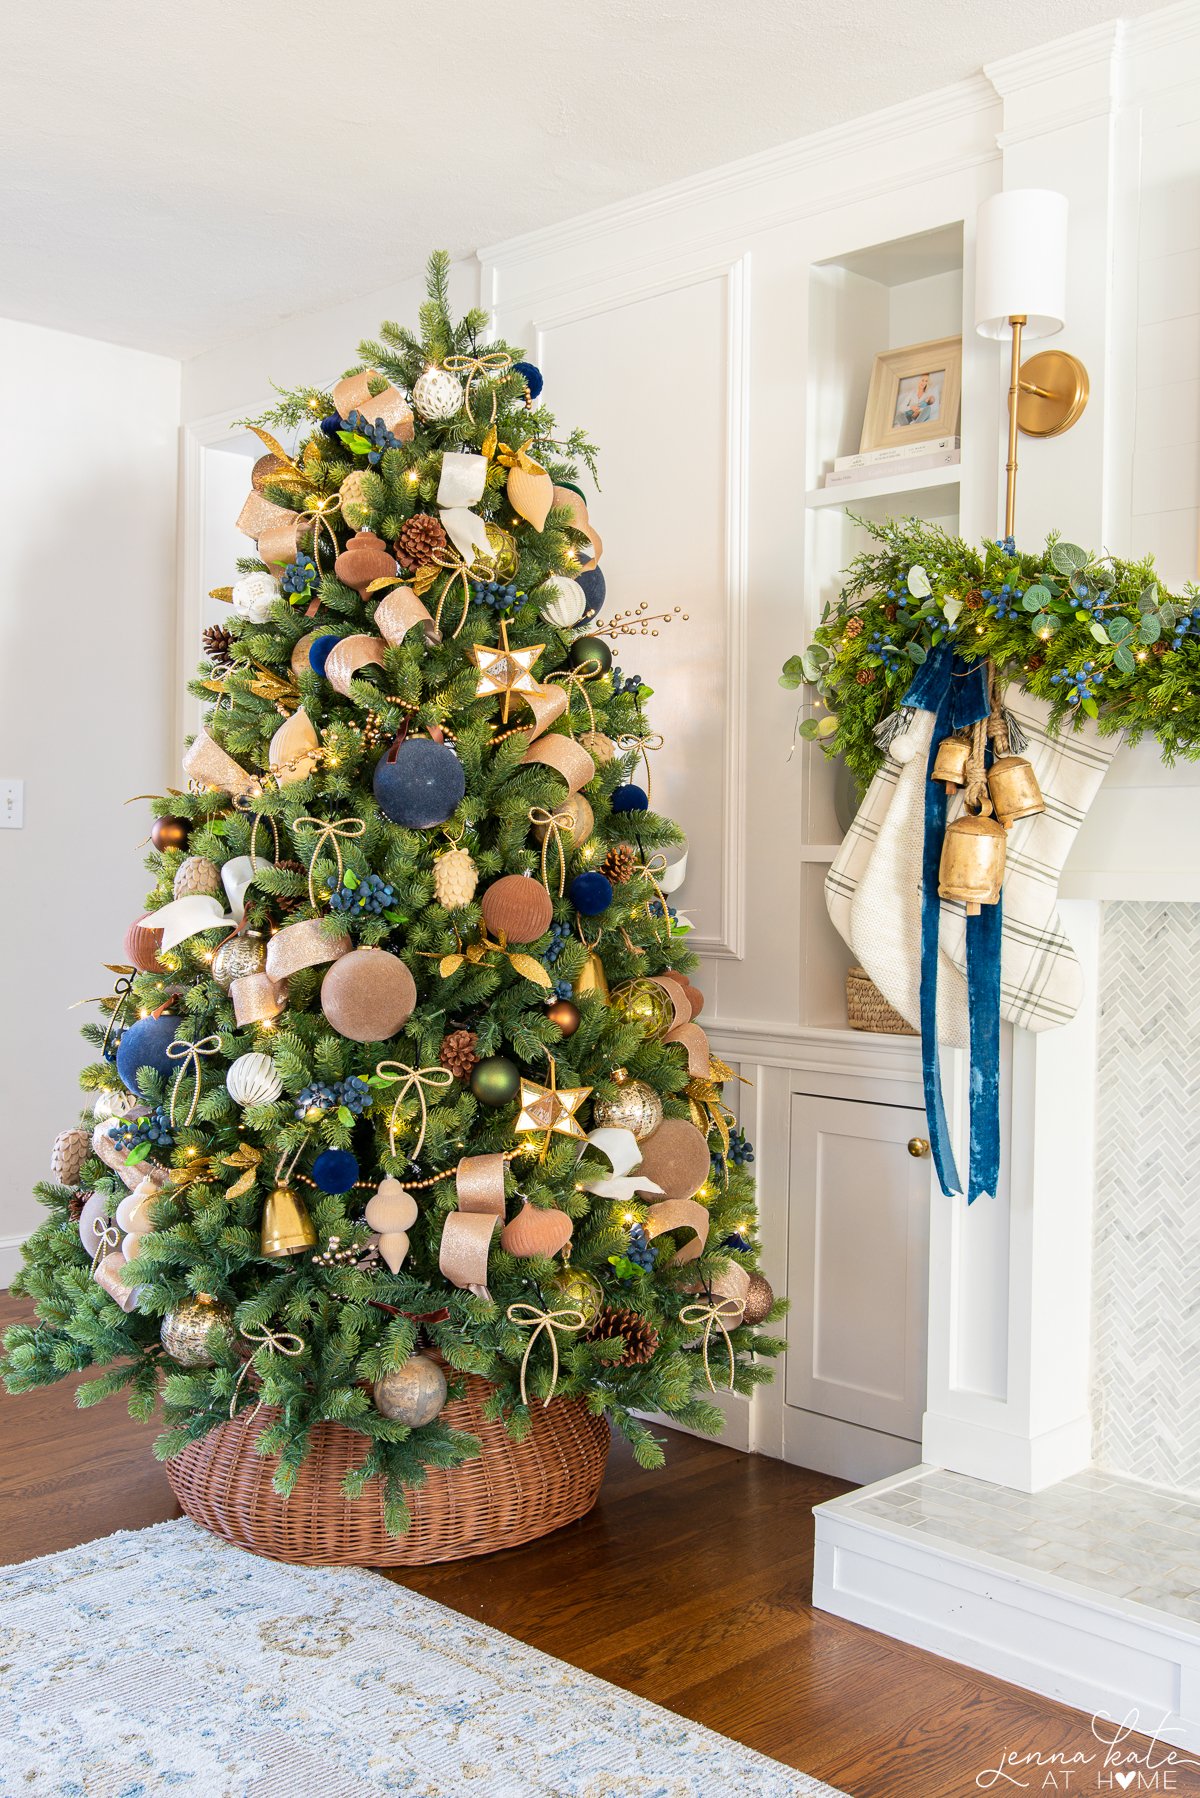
pixel 1092 635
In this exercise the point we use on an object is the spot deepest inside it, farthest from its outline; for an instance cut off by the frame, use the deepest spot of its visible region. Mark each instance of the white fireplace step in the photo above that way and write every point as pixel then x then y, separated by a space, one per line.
pixel 1087 1592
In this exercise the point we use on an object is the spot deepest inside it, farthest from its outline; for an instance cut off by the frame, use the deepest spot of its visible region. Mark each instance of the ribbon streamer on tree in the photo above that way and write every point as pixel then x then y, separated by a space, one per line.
pixel 532 1317
pixel 276 1342
pixel 332 832
pixel 715 1313
pixel 552 824
pixel 188 1055
pixel 415 1080
pixel 489 366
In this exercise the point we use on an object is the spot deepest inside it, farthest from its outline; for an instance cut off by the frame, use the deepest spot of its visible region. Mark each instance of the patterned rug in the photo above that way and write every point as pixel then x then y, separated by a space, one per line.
pixel 164 1660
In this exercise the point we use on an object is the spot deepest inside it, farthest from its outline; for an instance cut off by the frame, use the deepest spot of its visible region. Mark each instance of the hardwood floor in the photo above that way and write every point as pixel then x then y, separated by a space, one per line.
pixel 689 1587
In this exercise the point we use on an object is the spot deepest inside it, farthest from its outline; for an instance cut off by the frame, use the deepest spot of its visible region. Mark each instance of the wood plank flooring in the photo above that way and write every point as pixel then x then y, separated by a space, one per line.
pixel 690 1587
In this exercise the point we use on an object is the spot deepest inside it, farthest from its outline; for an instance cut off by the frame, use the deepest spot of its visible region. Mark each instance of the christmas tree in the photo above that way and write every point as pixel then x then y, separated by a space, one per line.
pixel 401 1077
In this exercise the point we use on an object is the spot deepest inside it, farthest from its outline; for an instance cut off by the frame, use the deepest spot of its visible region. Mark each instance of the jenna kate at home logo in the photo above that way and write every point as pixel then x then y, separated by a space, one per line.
pixel 1122 1760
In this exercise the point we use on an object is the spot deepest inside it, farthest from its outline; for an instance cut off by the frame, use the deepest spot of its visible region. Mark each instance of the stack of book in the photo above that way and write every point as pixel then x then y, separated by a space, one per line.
pixel 899 459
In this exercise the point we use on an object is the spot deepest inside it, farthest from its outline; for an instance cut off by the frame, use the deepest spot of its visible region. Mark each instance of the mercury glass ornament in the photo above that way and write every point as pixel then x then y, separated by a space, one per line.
pixel 412 1394
pixel 185 1330
pixel 637 1107
pixel 644 1002
pixel 573 1288
pixel 237 956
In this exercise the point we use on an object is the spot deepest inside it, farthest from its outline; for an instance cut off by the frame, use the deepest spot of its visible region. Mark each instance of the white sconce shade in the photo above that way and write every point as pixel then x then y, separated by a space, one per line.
pixel 1021 262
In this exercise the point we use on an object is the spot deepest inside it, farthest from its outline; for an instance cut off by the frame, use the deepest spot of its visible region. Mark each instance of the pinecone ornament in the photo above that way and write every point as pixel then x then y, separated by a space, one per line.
pixel 865 676
pixel 638 1333
pixel 455 877
pixel 217 643
pixel 854 627
pixel 974 600
pixel 419 541
pixel 458 1053
pixel 619 863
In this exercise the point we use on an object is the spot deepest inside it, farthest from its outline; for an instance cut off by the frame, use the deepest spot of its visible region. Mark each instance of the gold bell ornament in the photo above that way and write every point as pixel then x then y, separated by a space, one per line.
pixel 591 978
pixel 287 1229
pixel 972 865
pixel 950 763
pixel 1014 788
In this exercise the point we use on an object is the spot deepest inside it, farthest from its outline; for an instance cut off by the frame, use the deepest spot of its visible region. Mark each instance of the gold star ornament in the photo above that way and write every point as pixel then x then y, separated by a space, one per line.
pixel 505 671
pixel 550 1109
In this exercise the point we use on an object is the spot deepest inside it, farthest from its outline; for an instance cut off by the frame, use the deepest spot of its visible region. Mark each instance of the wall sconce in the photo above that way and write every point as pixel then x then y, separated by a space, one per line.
pixel 1020 287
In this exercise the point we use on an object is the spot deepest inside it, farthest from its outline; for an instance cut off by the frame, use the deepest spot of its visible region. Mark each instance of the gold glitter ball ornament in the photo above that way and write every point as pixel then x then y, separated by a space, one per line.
pixel 185 1330
pixel 644 1002
pixel 412 1394
pixel 455 878
pixel 759 1299
pixel 637 1107
pixel 574 1289
pixel 236 957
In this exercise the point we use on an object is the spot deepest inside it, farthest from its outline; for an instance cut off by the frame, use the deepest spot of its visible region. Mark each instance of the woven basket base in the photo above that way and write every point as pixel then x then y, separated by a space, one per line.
pixel 511 1493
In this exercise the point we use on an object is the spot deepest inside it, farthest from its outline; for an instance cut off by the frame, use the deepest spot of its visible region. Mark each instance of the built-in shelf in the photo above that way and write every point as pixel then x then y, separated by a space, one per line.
pixel 854 493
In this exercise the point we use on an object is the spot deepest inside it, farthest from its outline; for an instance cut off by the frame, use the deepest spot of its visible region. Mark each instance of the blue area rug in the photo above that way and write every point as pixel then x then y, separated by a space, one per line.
pixel 165 1661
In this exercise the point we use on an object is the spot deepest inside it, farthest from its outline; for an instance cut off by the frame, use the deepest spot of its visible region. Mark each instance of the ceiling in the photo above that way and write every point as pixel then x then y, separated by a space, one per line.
pixel 176 176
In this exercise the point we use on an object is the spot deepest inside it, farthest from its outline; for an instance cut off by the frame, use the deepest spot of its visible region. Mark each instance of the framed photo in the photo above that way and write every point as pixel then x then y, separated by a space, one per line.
pixel 914 394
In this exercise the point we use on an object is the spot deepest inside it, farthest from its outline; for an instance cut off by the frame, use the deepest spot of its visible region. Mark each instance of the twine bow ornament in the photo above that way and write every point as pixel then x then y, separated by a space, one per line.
pixel 276 1342
pixel 414 1080
pixel 575 681
pixel 122 994
pixel 650 870
pixel 642 745
pixel 459 575
pixel 712 1313
pixel 333 832
pixel 532 1317
pixel 188 1055
pixel 316 516
pixel 489 366
pixel 552 824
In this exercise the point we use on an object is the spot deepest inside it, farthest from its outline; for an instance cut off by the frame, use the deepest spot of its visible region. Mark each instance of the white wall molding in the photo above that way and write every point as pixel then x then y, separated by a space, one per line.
pixel 10 1258
pixel 834 1053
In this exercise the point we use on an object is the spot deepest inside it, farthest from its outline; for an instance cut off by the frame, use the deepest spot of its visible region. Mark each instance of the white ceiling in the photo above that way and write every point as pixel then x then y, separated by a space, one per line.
pixel 176 175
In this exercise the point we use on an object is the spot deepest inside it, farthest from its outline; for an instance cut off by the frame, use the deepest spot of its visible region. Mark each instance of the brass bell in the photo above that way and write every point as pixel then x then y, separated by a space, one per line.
pixel 287 1229
pixel 950 763
pixel 972 865
pixel 591 978
pixel 1014 788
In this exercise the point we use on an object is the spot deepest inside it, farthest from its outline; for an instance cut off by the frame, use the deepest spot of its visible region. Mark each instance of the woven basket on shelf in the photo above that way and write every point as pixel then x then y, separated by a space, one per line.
pixel 510 1493
pixel 867 1009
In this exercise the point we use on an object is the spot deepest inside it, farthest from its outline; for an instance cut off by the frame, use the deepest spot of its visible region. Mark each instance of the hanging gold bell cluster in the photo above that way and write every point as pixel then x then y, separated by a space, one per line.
pixel 974 847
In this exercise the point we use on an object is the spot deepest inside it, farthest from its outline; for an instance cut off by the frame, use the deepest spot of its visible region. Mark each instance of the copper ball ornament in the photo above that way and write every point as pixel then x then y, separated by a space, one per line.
pixel 368 995
pixel 236 957
pixel 759 1299
pixel 142 944
pixel 170 833
pixel 565 1016
pixel 412 1394
pixel 518 906
pixel 676 1157
pixel 184 1332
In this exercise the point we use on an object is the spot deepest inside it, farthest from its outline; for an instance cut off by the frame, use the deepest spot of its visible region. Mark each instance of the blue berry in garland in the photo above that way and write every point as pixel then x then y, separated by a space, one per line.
pixel 154 1130
pixel 741 1150
pixel 641 1249
pixel 314 1101
pixel 299 578
pixel 369 896
pixel 560 936
pixel 501 596
pixel 373 438
pixel 355 1095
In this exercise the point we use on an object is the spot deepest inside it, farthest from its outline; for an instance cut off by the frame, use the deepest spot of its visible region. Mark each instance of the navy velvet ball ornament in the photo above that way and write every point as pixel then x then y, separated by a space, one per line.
pixel 335 1170
pixel 629 798
pixel 594 589
pixel 144 1045
pixel 318 652
pixel 593 650
pixel 591 893
pixel 419 783
pixel 532 375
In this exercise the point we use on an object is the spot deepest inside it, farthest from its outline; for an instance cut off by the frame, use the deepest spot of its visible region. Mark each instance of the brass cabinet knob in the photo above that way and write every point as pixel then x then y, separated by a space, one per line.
pixel 918 1146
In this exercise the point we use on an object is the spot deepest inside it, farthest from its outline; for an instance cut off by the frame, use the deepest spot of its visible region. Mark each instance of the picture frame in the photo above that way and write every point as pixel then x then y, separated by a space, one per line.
pixel 914 395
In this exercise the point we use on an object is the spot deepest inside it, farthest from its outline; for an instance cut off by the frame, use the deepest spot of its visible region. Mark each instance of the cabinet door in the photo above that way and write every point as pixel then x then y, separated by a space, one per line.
pixel 858 1253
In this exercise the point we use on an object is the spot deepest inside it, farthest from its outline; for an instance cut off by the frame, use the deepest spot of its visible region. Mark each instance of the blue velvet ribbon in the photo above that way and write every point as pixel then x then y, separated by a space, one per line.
pixel 956 692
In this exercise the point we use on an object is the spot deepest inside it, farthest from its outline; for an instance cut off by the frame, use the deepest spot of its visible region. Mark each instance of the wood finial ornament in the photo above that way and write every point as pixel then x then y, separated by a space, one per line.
pixel 391 1213
pixel 536 1231
pixel 366 558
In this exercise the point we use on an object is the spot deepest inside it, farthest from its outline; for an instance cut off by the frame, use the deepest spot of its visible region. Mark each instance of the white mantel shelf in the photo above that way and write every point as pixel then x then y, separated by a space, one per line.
pixel 893 487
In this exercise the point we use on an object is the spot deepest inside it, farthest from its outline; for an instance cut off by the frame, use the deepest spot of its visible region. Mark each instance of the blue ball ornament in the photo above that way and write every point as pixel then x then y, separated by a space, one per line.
pixel 594 589
pixel 532 376
pixel 629 798
pixel 318 651
pixel 418 783
pixel 144 1045
pixel 591 893
pixel 332 425
pixel 335 1170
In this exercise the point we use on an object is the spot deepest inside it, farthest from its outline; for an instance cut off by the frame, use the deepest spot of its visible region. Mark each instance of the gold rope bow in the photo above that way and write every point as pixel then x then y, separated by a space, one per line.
pixel 495 363
pixel 188 1055
pixel 258 818
pixel 575 681
pixel 553 826
pixel 317 513
pixel 714 1312
pixel 459 573
pixel 108 1238
pixel 329 832
pixel 415 1080
pixel 642 745
pixel 526 965
pixel 531 1317
pixel 277 1342
pixel 650 870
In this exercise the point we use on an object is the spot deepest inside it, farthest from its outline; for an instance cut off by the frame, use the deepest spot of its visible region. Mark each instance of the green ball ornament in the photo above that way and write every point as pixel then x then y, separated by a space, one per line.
pixel 593 650
pixel 495 1080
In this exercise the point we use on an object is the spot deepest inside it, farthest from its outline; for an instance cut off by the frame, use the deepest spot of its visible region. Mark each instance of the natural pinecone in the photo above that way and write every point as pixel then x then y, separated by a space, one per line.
pixel 1159 649
pixel 285 903
pixel 640 1336
pixel 619 863
pixel 458 1053
pixel 1034 663
pixel 854 627
pixel 75 1205
pixel 865 676
pixel 974 599
pixel 890 611
pixel 419 541
pixel 217 642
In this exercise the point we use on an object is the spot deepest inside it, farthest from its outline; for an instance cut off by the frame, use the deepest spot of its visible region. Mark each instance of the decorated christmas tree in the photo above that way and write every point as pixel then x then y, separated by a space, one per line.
pixel 401 1080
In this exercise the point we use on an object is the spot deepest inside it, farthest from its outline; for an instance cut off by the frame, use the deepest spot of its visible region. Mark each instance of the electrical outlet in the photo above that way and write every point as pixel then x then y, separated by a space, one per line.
pixel 12 804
